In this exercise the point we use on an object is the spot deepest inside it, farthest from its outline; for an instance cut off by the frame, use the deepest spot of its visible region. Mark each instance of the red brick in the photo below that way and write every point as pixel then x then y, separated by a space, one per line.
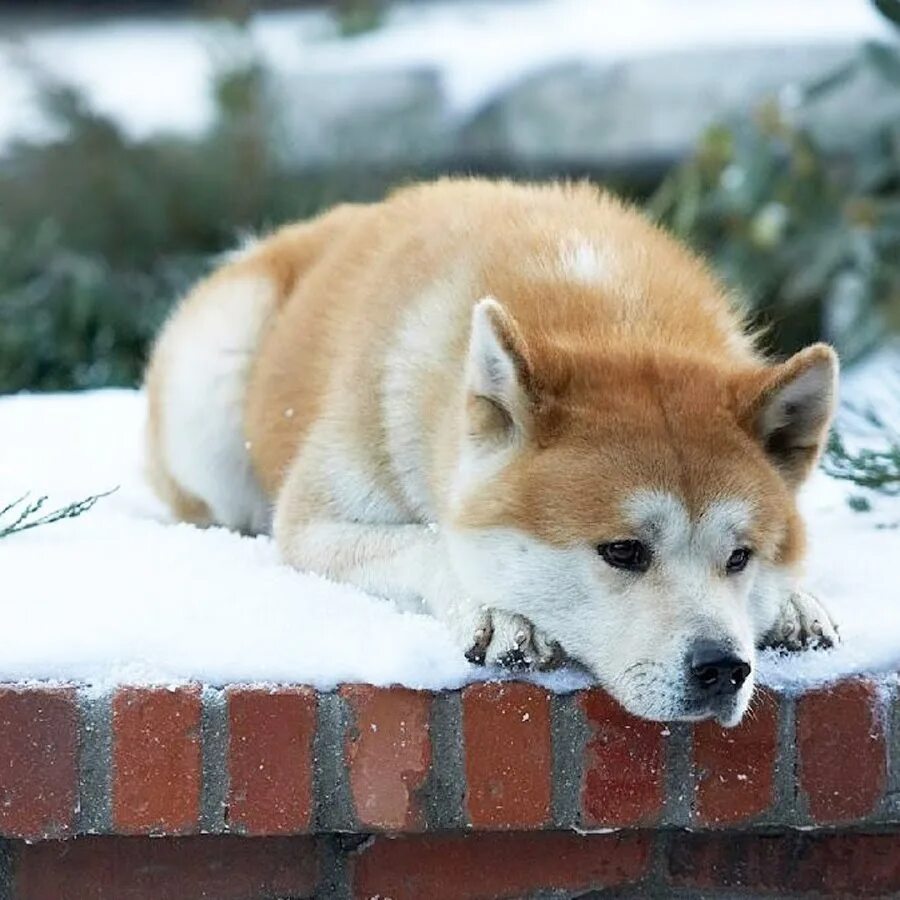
pixel 270 749
pixel 508 754
pixel 842 752
pixel 826 865
pixel 494 865
pixel 156 760
pixel 623 767
pixel 735 767
pixel 212 867
pixel 38 761
pixel 388 754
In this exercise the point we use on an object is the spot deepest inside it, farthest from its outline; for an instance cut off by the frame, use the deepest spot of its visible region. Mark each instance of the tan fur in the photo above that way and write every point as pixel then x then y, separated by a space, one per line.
pixel 608 356
pixel 652 363
pixel 635 371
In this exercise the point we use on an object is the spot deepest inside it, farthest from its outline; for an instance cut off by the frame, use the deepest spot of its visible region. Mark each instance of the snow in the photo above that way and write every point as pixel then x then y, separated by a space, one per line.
pixel 164 66
pixel 121 595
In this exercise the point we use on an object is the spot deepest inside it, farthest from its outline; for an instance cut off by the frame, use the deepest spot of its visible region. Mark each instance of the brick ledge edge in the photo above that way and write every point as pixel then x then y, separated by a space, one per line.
pixel 495 756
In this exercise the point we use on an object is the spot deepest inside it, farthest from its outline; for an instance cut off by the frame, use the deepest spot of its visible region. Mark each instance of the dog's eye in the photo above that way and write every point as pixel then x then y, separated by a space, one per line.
pixel 630 555
pixel 738 560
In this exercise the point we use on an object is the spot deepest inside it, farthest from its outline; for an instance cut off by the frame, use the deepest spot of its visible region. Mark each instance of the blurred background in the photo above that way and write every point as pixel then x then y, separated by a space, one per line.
pixel 139 140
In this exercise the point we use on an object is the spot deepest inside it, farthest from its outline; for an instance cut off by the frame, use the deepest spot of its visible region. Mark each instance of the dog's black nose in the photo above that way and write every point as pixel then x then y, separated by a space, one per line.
pixel 716 670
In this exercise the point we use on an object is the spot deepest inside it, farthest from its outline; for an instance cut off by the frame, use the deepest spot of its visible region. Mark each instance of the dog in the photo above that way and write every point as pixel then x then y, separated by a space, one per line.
pixel 524 409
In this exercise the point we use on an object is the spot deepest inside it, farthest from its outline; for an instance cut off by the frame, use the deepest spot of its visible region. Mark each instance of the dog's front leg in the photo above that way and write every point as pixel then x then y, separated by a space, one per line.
pixel 408 564
pixel 403 563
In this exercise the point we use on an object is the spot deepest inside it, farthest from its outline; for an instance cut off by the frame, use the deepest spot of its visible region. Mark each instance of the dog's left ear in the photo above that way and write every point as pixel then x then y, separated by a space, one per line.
pixel 499 376
pixel 789 407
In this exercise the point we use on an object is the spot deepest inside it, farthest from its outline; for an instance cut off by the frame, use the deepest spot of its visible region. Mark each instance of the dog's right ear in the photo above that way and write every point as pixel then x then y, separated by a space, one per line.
pixel 788 408
pixel 499 377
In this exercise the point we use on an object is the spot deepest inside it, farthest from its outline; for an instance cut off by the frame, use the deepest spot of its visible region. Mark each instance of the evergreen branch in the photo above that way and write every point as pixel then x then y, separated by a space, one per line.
pixel 878 470
pixel 26 513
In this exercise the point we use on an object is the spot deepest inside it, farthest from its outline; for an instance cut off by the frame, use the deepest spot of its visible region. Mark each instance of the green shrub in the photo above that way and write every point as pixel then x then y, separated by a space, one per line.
pixel 811 241
pixel 100 233
pixel 355 17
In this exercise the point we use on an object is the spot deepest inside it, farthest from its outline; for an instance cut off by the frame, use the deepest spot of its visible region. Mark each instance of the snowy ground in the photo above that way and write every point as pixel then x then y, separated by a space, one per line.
pixel 121 595
pixel 163 67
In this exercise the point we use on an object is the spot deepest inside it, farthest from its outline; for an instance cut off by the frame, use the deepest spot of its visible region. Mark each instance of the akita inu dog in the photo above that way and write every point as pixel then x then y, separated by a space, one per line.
pixel 524 409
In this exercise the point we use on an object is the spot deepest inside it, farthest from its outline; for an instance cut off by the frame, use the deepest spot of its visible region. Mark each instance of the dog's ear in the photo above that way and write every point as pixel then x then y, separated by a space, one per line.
pixel 788 408
pixel 499 377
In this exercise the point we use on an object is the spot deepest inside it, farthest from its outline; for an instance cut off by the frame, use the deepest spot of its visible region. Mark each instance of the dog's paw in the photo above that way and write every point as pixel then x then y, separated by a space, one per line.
pixel 510 641
pixel 802 622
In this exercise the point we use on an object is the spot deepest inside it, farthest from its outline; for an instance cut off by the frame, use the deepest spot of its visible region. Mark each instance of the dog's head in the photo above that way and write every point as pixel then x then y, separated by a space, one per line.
pixel 637 508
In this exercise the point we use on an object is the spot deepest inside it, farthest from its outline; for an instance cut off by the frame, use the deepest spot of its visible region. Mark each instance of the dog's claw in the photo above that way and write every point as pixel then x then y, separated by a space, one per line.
pixel 552 657
pixel 477 652
pixel 514 660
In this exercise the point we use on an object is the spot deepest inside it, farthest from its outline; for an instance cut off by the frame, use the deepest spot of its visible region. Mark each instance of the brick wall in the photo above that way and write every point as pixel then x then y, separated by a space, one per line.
pixel 499 790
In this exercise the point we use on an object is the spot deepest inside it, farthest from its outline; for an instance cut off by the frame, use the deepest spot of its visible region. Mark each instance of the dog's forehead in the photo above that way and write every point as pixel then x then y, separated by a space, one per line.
pixel 667 521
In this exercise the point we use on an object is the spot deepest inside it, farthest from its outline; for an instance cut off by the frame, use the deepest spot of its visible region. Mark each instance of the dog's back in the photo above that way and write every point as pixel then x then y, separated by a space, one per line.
pixel 361 318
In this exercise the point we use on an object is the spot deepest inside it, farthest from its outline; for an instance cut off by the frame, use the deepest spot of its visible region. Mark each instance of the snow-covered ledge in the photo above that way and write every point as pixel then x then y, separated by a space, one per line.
pixel 120 595
pixel 168 681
